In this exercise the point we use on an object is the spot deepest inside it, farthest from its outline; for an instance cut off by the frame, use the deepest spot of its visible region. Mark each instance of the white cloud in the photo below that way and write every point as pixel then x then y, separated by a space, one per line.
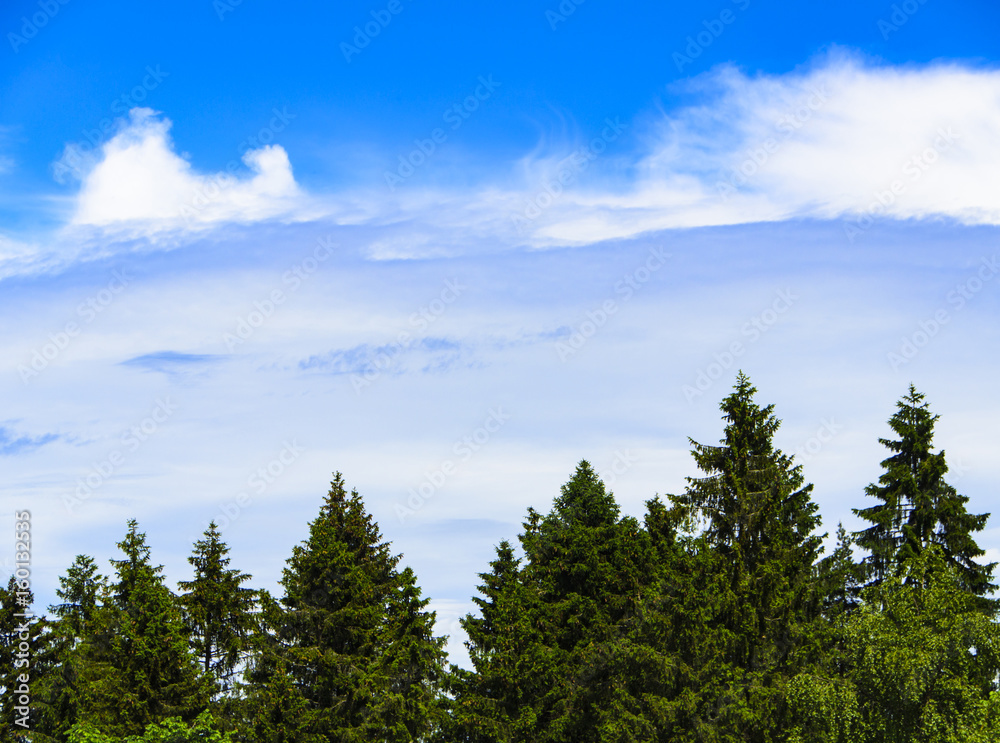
pixel 139 179
pixel 833 141
pixel 822 142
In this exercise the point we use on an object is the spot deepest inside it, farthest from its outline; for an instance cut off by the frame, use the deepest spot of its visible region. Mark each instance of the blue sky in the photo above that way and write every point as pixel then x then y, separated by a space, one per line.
pixel 243 245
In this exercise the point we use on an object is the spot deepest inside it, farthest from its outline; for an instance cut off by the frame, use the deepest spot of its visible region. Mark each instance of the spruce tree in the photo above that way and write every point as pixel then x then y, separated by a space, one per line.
pixel 219 611
pixel 490 700
pixel 759 519
pixel 72 647
pixel 147 673
pixel 555 649
pixel 918 508
pixel 350 649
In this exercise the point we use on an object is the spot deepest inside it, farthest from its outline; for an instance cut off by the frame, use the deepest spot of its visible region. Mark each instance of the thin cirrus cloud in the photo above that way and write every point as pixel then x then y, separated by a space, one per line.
pixel 842 139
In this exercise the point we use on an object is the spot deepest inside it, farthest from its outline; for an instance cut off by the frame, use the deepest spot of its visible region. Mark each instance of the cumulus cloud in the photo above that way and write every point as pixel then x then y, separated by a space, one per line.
pixel 139 178
pixel 841 140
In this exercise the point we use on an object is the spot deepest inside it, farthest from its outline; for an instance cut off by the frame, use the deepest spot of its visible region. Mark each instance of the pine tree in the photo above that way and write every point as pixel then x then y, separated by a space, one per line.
pixel 140 644
pixel 218 611
pixel 918 508
pixel 351 636
pixel 759 519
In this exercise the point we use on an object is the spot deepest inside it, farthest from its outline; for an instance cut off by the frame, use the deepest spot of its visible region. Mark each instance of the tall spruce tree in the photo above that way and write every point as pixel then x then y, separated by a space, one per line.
pixel 72 646
pixel 918 508
pixel 490 701
pixel 147 673
pixel 219 612
pixel 349 653
pixel 760 520
pixel 555 649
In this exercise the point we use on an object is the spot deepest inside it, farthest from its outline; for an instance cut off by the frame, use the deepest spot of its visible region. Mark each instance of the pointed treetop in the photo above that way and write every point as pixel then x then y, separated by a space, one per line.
pixel 584 500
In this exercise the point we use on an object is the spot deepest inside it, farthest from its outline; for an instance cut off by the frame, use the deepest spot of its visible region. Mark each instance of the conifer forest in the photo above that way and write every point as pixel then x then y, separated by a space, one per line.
pixel 718 617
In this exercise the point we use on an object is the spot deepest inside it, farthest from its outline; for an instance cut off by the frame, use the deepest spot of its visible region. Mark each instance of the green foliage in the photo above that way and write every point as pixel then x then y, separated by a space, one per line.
pixel 348 653
pixel 202 729
pixel 141 669
pixel 925 657
pixel 918 508
pixel 219 613
pixel 759 523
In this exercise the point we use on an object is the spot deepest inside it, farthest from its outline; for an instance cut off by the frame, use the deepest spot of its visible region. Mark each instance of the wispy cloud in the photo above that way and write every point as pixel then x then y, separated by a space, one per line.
pixel 841 139
pixel 170 362
pixel 12 443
